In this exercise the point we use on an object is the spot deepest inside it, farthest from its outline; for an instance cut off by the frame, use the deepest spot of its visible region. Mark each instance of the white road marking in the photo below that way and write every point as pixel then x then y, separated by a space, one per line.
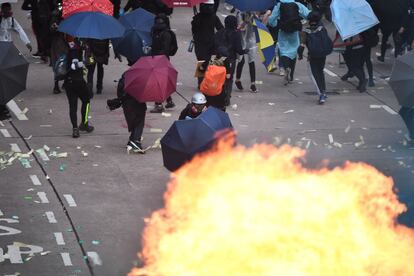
pixel 5 133
pixel 1 213
pixel 43 154
pixel 15 148
pixel 59 238
pixel 35 180
pixel 70 200
pixel 17 111
pixel 66 259
pixel 43 197
pixel 329 72
pixel 51 217
pixel 389 110
pixel 96 260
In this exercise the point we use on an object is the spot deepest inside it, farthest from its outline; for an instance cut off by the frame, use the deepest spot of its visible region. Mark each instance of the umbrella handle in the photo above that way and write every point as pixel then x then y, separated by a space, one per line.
pixel 182 97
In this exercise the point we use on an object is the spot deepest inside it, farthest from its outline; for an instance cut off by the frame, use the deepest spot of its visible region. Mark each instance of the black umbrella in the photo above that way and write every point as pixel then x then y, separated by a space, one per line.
pixel 402 79
pixel 13 72
pixel 186 138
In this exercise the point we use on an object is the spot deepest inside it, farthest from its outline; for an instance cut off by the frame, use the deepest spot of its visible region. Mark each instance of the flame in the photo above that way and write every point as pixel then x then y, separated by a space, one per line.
pixel 258 211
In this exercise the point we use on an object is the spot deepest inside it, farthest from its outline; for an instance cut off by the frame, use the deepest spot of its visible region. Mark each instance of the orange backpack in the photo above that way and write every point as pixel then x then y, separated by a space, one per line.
pixel 214 79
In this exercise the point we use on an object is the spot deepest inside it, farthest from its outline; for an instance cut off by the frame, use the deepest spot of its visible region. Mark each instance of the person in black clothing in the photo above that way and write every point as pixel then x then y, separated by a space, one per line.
pixel 97 55
pixel 117 7
pixel 195 108
pixel 323 7
pixel 76 88
pixel 152 6
pixel 203 28
pixel 161 45
pixel 228 43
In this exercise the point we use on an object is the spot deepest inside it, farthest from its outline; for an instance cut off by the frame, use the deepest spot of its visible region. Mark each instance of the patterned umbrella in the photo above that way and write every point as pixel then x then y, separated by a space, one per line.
pixel 74 6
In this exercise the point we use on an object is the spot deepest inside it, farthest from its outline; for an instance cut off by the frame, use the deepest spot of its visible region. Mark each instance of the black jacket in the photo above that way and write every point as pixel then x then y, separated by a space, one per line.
pixel 188 112
pixel 99 49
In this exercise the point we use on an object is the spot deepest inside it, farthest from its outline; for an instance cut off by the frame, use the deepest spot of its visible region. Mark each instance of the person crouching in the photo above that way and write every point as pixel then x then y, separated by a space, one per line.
pixel 195 108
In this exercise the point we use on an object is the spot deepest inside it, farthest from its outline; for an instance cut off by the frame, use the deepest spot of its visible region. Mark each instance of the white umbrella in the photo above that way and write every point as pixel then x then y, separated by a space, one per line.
pixel 352 17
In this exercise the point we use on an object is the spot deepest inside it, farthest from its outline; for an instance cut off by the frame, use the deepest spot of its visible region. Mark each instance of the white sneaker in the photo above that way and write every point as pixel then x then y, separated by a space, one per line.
pixel 281 72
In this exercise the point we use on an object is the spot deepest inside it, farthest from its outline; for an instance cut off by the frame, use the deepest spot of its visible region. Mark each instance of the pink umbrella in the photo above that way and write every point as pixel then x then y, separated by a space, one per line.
pixel 151 79
pixel 74 6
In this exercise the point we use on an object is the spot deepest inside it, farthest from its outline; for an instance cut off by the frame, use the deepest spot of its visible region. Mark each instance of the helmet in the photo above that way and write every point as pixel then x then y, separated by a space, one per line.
pixel 198 98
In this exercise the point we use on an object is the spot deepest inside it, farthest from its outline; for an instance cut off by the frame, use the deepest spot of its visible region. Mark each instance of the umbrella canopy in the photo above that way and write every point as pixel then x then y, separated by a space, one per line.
pixel 352 17
pixel 92 25
pixel 151 79
pixel 265 44
pixel 137 34
pixel 252 5
pixel 182 3
pixel 13 72
pixel 74 6
pixel 186 138
pixel 402 79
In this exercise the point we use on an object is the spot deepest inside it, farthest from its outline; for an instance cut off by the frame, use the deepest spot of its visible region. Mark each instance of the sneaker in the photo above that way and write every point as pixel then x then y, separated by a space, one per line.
pixel 287 76
pixel 322 98
pixel 362 87
pixel 158 108
pixel 134 147
pixel 170 104
pixel 253 88
pixel 56 90
pixel 371 83
pixel 86 127
pixel 281 72
pixel 238 84
pixel 75 133
pixel 381 58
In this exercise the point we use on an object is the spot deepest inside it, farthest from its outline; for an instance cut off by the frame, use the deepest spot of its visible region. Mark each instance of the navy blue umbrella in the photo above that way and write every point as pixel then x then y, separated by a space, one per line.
pixel 92 25
pixel 252 5
pixel 137 34
pixel 186 138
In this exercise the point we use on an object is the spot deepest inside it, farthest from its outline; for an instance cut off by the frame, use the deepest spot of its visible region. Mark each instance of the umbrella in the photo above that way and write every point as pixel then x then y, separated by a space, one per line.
pixel 151 79
pixel 137 34
pixel 352 17
pixel 265 44
pixel 91 25
pixel 252 5
pixel 182 3
pixel 186 138
pixel 402 79
pixel 13 72
pixel 74 6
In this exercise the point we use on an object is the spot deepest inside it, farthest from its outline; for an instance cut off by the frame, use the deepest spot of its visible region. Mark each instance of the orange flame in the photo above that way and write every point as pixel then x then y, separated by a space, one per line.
pixel 258 211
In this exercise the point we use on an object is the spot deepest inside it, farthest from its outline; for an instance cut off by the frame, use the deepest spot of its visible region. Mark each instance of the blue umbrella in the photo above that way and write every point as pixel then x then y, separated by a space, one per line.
pixel 252 5
pixel 186 138
pixel 137 34
pixel 92 25
pixel 352 17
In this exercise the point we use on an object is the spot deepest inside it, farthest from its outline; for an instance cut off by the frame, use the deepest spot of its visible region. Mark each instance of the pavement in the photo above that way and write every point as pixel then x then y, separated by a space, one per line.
pixel 77 206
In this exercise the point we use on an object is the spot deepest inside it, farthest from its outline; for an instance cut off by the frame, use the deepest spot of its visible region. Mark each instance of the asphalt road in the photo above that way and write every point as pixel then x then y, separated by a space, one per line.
pixel 83 214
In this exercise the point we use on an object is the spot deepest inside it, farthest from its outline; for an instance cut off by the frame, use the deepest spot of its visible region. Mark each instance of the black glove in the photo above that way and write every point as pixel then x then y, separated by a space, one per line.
pixel 301 49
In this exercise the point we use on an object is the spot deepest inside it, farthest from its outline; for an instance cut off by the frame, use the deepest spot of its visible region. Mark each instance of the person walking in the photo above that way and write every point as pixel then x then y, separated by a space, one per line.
pixel 203 27
pixel 97 55
pixel 245 22
pixel 287 15
pixel 76 88
pixel 315 37
pixel 164 42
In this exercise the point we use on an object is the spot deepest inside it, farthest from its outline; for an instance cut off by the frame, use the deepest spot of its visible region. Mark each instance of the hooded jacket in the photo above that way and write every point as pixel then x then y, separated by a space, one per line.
pixel 227 41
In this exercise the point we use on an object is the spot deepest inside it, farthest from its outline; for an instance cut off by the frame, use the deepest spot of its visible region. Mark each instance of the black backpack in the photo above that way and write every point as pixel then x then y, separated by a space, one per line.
pixel 173 44
pixel 318 42
pixel 290 20
pixel 370 37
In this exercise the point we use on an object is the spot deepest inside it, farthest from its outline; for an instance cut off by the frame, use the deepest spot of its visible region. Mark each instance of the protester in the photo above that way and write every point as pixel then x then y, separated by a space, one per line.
pixel 97 55
pixel 319 45
pixel 228 43
pixel 164 42
pixel 195 108
pixel 323 7
pixel 287 15
pixel 245 23
pixel 152 6
pixel 117 8
pixel 203 28
pixel 76 88
pixel 9 23
pixel 220 100
pixel 370 40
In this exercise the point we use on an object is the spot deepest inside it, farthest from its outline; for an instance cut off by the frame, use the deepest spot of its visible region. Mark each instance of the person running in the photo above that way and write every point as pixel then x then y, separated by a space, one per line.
pixel 245 22
pixel 97 55
pixel 287 15
pixel 319 45
pixel 76 88
pixel 163 43
pixel 195 108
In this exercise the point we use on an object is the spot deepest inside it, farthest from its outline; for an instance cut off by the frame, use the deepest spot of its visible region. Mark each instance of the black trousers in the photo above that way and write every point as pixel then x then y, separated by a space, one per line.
pixel 317 65
pixel 368 62
pixel 252 70
pixel 100 76
pixel 385 35
pixel 77 89
pixel 355 61
pixel 228 84
pixel 288 63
